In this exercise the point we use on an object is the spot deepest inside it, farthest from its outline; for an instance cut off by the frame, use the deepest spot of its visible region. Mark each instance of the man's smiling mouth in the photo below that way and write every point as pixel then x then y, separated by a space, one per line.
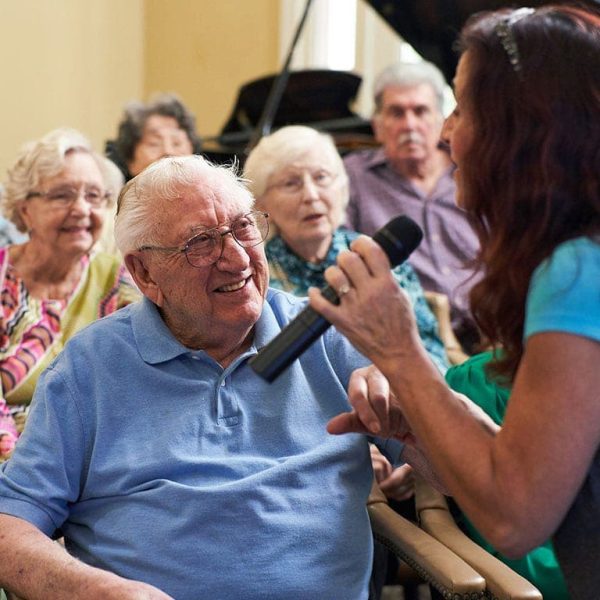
pixel 232 287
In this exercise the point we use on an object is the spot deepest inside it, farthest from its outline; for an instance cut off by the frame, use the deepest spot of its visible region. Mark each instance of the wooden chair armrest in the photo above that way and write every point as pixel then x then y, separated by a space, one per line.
pixel 434 563
pixel 435 518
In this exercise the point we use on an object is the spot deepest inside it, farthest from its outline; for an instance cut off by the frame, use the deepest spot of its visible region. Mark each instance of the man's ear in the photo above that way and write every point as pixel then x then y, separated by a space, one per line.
pixel 143 278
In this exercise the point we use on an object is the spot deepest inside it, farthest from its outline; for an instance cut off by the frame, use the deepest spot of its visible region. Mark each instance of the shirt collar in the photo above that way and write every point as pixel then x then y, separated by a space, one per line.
pixel 156 343
pixel 268 325
pixel 377 158
pixel 154 339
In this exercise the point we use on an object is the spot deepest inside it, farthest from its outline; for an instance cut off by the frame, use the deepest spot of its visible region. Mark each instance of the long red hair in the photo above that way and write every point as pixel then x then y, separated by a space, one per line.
pixel 532 179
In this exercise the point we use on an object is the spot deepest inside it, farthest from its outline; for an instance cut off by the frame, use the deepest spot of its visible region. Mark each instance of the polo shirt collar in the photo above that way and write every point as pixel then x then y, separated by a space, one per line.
pixel 267 326
pixel 156 343
pixel 153 338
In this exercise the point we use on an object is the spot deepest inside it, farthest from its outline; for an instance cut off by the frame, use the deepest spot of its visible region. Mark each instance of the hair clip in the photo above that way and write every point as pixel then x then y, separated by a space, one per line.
pixel 507 39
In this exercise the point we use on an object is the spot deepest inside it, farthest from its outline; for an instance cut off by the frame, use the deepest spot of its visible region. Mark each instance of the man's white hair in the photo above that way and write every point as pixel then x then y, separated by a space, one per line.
pixel 141 202
pixel 406 75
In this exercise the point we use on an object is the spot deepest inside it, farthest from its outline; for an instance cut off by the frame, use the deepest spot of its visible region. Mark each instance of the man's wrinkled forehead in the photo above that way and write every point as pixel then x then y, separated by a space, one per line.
pixel 409 95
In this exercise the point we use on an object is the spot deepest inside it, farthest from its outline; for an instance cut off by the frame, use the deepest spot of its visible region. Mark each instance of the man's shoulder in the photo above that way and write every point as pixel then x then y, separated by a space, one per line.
pixel 97 348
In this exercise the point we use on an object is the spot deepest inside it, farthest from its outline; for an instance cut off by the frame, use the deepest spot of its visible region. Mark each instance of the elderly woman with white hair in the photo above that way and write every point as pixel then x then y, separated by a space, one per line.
pixel 53 284
pixel 298 177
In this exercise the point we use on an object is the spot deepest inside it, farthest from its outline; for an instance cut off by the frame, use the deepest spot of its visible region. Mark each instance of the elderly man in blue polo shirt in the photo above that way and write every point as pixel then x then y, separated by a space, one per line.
pixel 169 467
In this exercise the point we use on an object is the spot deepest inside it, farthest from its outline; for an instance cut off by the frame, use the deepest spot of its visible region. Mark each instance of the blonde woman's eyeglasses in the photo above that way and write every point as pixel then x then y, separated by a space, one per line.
pixel 64 198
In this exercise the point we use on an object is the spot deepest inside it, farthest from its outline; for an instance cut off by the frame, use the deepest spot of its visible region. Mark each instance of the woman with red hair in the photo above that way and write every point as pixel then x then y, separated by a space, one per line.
pixel 526 141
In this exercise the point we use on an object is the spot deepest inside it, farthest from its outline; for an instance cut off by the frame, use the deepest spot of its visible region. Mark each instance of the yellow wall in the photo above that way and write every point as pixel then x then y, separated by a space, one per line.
pixel 77 62
pixel 66 63
pixel 206 49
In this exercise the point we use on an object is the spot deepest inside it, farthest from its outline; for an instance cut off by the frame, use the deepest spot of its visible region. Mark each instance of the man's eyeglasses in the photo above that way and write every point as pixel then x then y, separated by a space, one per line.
pixel 294 183
pixel 63 198
pixel 206 248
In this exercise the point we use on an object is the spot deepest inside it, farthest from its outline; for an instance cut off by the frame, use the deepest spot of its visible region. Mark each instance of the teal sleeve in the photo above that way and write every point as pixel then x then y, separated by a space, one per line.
pixel 564 294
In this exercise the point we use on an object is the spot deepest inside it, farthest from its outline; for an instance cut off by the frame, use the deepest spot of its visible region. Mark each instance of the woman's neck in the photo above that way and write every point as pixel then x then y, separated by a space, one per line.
pixel 46 275
pixel 312 251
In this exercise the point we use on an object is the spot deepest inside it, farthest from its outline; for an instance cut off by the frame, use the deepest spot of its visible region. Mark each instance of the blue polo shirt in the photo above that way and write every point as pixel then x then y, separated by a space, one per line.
pixel 159 465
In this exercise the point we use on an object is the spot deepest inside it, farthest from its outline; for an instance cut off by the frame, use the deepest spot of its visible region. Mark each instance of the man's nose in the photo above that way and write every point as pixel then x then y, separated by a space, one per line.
pixel 232 251
pixel 410 119
pixel 168 148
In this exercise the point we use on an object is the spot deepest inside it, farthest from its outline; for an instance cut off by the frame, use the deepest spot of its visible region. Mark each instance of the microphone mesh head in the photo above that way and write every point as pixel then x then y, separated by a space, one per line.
pixel 399 238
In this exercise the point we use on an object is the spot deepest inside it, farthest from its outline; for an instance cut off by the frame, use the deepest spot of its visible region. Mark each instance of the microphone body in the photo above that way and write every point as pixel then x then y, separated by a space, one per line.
pixel 398 239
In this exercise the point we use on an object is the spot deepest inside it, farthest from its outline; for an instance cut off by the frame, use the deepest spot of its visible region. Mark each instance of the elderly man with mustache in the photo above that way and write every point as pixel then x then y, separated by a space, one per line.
pixel 411 173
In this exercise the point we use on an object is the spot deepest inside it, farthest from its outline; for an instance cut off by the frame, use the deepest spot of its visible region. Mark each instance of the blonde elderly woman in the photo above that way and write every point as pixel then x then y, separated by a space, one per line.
pixel 52 284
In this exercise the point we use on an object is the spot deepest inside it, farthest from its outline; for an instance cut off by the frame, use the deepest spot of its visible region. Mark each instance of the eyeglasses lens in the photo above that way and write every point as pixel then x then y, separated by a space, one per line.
pixel 248 231
pixel 68 197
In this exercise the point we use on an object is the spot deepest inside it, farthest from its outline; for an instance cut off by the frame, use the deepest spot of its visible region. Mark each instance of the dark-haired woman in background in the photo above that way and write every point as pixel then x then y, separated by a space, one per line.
pixel 162 127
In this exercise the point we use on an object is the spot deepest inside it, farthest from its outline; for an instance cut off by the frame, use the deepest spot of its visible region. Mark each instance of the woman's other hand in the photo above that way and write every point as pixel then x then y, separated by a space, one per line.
pixel 396 483
pixel 375 410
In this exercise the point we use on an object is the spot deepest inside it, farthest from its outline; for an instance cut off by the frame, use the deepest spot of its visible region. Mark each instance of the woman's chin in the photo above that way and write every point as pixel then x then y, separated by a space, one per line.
pixel 318 236
pixel 79 244
pixel 317 227
pixel 459 193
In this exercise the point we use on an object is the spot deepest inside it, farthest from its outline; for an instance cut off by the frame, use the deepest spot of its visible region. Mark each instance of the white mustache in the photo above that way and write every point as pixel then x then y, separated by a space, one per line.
pixel 411 137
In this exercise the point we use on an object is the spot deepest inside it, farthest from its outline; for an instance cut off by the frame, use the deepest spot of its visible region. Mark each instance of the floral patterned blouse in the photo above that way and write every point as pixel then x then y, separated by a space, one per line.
pixel 34 331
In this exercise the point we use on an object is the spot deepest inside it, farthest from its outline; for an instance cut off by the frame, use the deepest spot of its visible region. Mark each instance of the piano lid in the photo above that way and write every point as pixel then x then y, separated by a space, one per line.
pixel 322 98
pixel 310 95
pixel 431 26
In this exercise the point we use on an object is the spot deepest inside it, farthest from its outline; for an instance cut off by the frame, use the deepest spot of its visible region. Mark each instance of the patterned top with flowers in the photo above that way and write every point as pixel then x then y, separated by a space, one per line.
pixel 33 331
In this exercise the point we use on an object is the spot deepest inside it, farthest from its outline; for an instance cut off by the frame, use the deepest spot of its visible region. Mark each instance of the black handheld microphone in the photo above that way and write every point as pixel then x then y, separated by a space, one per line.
pixel 398 239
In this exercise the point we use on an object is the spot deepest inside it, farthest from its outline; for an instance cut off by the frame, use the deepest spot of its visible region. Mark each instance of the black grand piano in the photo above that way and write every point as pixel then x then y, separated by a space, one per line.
pixel 323 98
